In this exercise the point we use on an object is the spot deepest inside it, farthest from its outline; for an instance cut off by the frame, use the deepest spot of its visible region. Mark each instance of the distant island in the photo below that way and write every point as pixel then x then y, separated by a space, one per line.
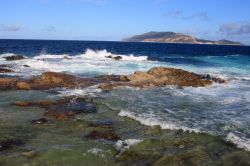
pixel 172 37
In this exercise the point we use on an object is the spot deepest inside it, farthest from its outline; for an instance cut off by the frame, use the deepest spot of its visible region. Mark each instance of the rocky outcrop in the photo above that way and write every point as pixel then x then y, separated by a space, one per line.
pixel 47 80
pixel 160 76
pixel 14 57
pixel 155 77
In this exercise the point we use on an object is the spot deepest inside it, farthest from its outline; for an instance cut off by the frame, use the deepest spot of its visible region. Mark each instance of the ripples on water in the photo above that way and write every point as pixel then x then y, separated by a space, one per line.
pixel 220 109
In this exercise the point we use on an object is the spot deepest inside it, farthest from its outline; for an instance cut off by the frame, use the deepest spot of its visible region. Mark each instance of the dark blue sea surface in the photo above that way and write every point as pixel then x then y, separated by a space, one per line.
pixel 220 109
pixel 155 51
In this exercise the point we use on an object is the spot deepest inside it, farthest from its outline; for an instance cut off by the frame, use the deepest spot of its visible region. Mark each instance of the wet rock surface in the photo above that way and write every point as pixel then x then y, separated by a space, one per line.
pixel 155 77
pixel 160 76
pixel 109 135
pixel 61 109
pixel 160 147
pixel 180 148
pixel 50 80
pixel 14 58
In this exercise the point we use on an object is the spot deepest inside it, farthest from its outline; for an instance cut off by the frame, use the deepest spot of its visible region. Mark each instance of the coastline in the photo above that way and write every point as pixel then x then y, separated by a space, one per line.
pixel 76 118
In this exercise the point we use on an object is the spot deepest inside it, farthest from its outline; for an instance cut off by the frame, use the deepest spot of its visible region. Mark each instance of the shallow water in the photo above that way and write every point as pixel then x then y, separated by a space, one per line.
pixel 221 110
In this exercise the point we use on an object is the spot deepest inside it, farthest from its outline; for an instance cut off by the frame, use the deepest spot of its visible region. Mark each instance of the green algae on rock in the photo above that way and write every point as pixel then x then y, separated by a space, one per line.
pixel 183 148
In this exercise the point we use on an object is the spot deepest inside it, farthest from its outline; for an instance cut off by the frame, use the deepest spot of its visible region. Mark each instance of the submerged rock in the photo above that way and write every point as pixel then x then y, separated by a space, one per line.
pixel 109 135
pixel 29 154
pixel 160 76
pixel 14 58
pixel 102 124
pixel 183 148
pixel 4 145
pixel 61 109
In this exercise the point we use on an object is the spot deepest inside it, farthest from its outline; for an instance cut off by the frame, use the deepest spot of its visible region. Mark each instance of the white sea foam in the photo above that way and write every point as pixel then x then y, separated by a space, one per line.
pixel 91 62
pixel 103 54
pixel 95 151
pixel 126 144
pixel 151 121
pixel 242 143
pixel 51 56
pixel 92 91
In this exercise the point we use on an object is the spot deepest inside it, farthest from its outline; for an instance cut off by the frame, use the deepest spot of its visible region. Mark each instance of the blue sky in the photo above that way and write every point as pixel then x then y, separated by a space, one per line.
pixel 117 19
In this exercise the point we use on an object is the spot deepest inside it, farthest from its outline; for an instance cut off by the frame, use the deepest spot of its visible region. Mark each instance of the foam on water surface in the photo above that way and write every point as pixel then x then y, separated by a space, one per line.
pixel 89 63
pixel 220 109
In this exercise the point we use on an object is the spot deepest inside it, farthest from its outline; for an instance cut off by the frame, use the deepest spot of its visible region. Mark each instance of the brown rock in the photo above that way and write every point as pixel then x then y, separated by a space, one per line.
pixel 61 109
pixel 22 104
pixel 107 135
pixel 117 58
pixel 29 154
pixel 59 115
pixel 109 56
pixel 123 78
pixel 50 80
pixel 26 66
pixel 7 83
pixel 140 77
pixel 23 86
pixel 160 76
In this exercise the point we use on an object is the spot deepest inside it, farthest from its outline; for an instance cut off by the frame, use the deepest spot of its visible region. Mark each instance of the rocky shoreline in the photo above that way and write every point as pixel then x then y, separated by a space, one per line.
pixel 73 130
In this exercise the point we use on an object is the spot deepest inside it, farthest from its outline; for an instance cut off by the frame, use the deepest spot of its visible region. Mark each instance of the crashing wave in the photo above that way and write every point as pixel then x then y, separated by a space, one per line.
pixel 103 54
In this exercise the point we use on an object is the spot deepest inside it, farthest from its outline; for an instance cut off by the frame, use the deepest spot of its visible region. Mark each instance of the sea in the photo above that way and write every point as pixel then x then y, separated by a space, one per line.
pixel 220 109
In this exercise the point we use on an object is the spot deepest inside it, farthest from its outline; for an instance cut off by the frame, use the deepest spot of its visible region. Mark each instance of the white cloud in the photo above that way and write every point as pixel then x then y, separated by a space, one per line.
pixel 179 14
pixel 11 28
pixel 235 28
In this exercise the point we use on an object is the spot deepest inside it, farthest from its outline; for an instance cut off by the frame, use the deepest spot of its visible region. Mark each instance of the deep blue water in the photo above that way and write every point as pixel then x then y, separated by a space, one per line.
pixel 155 51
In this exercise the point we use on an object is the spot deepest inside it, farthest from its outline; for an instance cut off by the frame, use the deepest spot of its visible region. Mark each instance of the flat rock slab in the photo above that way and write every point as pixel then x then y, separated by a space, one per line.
pixel 161 76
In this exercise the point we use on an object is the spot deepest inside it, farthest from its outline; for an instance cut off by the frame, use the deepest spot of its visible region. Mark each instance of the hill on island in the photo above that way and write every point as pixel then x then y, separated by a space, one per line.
pixel 172 37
